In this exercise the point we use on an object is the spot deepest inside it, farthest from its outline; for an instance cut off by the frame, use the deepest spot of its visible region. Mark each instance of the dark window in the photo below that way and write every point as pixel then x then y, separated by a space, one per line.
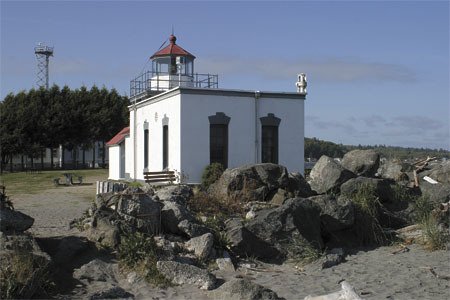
pixel 269 147
pixel 218 139
pixel 218 144
pixel 165 146
pixel 146 148
pixel 269 139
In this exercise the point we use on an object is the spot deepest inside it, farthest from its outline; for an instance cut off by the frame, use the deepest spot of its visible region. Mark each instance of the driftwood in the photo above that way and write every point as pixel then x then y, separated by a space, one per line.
pixel 346 293
pixel 419 167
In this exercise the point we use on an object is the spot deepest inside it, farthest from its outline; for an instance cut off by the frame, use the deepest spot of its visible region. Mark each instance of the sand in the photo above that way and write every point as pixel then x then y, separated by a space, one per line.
pixel 414 273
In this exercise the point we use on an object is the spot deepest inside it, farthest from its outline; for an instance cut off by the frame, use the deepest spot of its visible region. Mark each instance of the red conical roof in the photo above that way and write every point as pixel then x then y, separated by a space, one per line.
pixel 172 49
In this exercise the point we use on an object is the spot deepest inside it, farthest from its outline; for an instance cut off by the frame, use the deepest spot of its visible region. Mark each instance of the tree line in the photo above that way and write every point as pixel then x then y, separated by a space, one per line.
pixel 315 148
pixel 31 121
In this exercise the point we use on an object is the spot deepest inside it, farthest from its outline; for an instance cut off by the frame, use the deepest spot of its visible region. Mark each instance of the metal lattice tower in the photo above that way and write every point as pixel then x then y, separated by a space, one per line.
pixel 42 54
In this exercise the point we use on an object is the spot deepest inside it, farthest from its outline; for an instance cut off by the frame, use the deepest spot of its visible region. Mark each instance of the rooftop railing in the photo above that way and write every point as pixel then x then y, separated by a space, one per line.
pixel 150 83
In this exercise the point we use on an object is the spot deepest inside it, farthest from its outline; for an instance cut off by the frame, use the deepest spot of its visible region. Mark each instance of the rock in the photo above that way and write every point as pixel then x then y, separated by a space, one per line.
pixel 299 186
pixel 192 229
pixel 201 246
pixel 172 214
pixel 104 232
pixel 250 182
pixel 380 187
pixel 225 264
pixel 334 257
pixel 441 173
pixel 106 200
pixel 336 213
pixel 244 243
pixel 114 292
pixel 361 162
pixel 13 221
pixel 95 270
pixel 279 197
pixel 395 170
pixel 175 193
pixel 140 211
pixel 278 226
pixel 436 193
pixel 186 274
pixel 243 289
pixel 328 175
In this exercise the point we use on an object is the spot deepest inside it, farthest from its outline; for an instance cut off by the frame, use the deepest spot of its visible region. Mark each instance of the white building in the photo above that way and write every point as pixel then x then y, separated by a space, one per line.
pixel 182 121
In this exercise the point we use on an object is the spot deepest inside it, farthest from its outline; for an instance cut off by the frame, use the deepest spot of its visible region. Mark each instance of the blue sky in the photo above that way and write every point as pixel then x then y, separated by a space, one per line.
pixel 378 72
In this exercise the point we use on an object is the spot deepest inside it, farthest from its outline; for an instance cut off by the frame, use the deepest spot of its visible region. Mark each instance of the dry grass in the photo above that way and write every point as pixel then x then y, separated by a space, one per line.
pixel 24 183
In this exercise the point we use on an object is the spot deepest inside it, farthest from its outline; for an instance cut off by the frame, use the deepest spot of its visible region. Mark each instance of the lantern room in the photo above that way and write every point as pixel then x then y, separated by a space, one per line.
pixel 173 60
pixel 172 67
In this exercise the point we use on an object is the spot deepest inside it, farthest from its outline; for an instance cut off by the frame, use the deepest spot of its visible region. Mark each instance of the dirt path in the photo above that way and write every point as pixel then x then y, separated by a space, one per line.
pixel 53 209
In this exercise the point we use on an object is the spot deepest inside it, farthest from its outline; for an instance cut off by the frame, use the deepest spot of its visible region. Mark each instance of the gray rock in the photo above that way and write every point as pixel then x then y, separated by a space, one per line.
pixel 179 273
pixel 172 214
pixel 140 211
pixel 336 213
pixel 225 264
pixel 296 217
pixel 192 229
pixel 13 221
pixel 244 289
pixel 380 187
pixel 334 257
pixel 104 232
pixel 176 193
pixel 361 162
pixel 114 292
pixel 95 270
pixel 251 182
pixel 328 175
pixel 395 170
pixel 441 173
pixel 246 244
pixel 299 186
pixel 201 246
pixel 436 193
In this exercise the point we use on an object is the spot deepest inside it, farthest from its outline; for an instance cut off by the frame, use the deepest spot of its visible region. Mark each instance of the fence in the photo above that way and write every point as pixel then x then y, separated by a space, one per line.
pixel 103 187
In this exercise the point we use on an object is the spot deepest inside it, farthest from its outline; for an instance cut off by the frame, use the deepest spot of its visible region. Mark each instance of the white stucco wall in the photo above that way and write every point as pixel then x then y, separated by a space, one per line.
pixel 195 110
pixel 114 155
pixel 187 114
pixel 156 114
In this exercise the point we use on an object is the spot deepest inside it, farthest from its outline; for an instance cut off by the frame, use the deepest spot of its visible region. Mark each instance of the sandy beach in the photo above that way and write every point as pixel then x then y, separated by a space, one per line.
pixel 413 273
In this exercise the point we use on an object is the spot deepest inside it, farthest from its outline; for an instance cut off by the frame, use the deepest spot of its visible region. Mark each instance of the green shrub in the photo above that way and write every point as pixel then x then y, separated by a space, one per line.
pixel 434 237
pixel 423 208
pixel 210 174
pixel 401 193
pixel 21 272
pixel 140 253
pixel 367 228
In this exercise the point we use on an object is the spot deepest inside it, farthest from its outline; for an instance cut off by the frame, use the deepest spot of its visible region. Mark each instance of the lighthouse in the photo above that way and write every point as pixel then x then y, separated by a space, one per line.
pixel 181 121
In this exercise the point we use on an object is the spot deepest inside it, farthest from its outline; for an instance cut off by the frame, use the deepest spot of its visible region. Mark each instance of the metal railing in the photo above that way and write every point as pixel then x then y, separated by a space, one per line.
pixel 153 82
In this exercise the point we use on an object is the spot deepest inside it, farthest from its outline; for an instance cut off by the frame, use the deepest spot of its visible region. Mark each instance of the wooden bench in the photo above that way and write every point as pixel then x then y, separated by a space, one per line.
pixel 163 176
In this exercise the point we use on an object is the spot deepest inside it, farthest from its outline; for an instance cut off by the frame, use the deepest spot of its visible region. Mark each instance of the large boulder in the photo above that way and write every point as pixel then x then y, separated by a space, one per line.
pixel 299 186
pixel 192 229
pixel 140 211
pixel 176 193
pixel 395 170
pixel 441 173
pixel 105 229
pixel 380 187
pixel 251 182
pixel 285 227
pixel 172 214
pixel 328 175
pixel 336 213
pixel 244 289
pixel 361 162
pixel 179 273
pixel 246 244
pixel 13 221
pixel 201 245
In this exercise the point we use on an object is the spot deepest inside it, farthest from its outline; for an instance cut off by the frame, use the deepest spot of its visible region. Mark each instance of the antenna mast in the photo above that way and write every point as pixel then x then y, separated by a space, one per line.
pixel 42 55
